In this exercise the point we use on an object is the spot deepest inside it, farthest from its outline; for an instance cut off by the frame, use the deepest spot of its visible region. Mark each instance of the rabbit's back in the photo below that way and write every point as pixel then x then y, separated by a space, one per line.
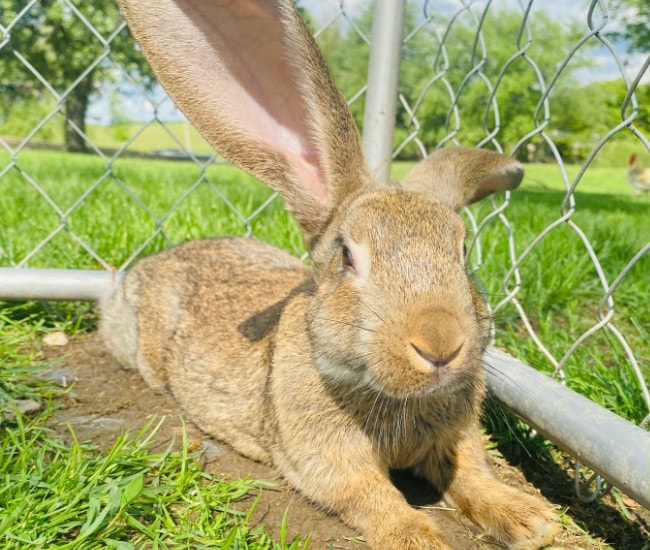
pixel 197 320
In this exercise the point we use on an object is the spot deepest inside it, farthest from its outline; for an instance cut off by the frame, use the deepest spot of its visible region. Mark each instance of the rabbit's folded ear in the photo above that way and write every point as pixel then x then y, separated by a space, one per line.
pixel 249 76
pixel 458 176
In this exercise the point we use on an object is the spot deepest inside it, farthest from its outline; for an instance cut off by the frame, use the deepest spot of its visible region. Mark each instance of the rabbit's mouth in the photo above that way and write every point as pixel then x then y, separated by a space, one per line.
pixel 434 365
pixel 403 378
pixel 425 379
pixel 425 351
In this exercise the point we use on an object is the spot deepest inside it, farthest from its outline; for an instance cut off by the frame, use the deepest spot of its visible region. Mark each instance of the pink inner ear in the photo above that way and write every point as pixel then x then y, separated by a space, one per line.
pixel 233 56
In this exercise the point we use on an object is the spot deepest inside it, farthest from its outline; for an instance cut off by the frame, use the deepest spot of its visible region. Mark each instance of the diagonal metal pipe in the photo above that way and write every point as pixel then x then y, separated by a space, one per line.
pixel 611 446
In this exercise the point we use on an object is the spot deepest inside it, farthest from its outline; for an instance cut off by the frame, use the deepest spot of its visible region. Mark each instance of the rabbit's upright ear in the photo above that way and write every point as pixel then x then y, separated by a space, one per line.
pixel 249 76
pixel 458 176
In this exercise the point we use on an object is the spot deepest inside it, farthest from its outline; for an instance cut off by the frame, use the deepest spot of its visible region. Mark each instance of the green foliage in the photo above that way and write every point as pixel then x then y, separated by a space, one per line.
pixel 585 114
pixel 442 75
pixel 347 53
pixel 442 72
pixel 22 117
pixel 518 92
pixel 66 48
pixel 635 18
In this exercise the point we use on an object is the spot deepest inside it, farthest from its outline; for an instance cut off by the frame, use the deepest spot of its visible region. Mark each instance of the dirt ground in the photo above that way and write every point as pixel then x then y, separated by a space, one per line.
pixel 106 400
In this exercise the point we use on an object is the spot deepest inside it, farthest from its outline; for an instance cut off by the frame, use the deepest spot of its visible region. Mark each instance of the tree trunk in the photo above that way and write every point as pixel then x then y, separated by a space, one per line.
pixel 76 105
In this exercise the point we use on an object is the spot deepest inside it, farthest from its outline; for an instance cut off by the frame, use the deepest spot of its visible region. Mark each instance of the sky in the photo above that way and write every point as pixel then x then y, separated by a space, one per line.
pixel 562 10
pixel 135 108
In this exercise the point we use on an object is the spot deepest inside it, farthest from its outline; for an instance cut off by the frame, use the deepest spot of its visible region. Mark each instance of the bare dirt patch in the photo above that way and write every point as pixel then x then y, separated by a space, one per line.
pixel 106 400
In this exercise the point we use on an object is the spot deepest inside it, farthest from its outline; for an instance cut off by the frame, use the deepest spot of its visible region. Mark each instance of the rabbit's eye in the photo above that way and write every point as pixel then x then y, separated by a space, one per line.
pixel 346 258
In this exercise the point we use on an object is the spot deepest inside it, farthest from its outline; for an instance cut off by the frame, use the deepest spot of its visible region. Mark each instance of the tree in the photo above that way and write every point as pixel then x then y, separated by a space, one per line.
pixel 635 18
pixel 347 53
pixel 64 47
pixel 431 82
pixel 518 89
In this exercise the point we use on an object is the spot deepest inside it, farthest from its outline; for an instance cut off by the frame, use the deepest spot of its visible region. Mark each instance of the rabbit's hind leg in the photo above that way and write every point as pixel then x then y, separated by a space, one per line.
pixel 132 329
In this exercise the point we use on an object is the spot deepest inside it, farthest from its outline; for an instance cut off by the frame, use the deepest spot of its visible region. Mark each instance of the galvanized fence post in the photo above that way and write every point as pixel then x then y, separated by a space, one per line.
pixel 383 80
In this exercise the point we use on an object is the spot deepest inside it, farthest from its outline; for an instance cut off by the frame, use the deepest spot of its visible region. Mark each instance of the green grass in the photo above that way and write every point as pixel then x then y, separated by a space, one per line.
pixel 63 494
pixel 70 496
pixel 561 291
pixel 142 137
pixel 59 495
pixel 129 203
pixel 147 138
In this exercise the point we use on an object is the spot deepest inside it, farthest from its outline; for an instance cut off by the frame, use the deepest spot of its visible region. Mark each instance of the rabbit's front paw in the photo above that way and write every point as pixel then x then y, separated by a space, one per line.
pixel 521 521
pixel 417 534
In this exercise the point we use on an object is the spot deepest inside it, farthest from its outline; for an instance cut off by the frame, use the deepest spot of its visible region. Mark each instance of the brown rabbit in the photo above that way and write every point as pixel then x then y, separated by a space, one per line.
pixel 370 360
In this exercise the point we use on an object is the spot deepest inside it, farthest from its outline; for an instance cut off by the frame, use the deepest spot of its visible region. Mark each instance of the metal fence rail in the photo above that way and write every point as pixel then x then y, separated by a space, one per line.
pixel 450 76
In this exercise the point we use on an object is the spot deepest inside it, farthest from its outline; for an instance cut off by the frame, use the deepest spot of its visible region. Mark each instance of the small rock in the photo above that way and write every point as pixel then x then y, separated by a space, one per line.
pixel 107 422
pixel 60 376
pixel 56 339
pixel 210 450
pixel 23 406
pixel 28 406
pixel 104 422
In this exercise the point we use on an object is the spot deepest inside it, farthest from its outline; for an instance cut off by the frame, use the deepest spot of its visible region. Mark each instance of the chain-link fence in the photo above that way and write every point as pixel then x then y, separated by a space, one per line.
pixel 564 262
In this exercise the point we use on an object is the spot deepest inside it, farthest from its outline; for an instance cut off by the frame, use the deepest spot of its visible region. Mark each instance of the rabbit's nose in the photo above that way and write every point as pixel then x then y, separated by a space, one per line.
pixel 432 359
pixel 437 339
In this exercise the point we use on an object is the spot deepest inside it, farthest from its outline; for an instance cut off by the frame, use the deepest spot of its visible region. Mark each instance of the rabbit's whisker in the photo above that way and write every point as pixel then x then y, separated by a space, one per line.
pixel 371 310
pixel 503 415
pixel 503 376
pixel 374 403
pixel 347 324
pixel 405 410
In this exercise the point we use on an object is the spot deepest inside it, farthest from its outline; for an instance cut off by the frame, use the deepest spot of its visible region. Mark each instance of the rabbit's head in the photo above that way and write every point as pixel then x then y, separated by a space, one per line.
pixel 394 308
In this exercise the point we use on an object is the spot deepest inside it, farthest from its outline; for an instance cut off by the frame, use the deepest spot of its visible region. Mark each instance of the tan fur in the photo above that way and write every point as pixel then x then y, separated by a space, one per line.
pixel 368 361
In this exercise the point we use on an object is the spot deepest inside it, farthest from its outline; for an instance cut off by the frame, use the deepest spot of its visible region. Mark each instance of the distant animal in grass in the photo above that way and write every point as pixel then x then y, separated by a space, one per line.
pixel 637 176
